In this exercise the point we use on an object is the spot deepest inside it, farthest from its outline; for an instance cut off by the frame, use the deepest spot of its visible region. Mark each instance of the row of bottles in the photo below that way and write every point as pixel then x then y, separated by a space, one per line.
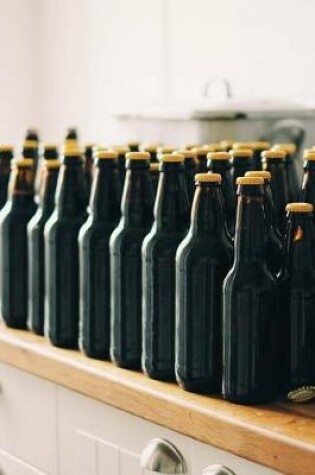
pixel 143 285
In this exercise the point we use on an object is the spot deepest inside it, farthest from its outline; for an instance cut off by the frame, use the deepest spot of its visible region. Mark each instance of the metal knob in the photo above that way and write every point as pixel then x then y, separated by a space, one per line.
pixel 161 456
pixel 217 470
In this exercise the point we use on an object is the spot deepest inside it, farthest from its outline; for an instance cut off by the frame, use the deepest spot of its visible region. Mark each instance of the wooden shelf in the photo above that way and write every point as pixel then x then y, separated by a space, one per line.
pixel 280 436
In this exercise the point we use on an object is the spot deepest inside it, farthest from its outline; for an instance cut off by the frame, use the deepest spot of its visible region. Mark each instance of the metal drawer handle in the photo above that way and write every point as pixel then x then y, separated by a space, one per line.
pixel 217 470
pixel 161 456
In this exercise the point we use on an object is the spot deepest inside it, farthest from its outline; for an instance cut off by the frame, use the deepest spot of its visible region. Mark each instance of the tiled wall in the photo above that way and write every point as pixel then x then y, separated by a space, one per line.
pixel 75 61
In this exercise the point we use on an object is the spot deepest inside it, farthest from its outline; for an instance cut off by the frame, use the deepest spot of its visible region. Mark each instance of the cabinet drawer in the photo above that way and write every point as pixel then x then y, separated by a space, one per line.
pixel 28 418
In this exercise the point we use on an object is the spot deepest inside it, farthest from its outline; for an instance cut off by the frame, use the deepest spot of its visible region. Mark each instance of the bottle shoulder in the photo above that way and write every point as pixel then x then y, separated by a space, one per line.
pixel 252 278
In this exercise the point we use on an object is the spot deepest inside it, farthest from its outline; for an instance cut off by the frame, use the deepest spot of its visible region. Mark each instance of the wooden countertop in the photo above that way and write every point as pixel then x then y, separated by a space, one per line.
pixel 280 436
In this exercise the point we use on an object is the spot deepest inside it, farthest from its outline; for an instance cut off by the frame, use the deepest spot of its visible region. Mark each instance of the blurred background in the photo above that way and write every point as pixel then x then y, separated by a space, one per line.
pixel 80 62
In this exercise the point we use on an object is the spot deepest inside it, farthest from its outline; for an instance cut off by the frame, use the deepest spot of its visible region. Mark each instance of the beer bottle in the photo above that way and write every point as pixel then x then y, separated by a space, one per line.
pixel 163 150
pixel 250 325
pixel 14 217
pixel 308 184
pixel 61 252
pixel 122 151
pixel 190 170
pixel 104 214
pixel 274 163
pixel 72 134
pixel 152 149
pixel 291 176
pixel 171 222
pixel 154 169
pixel 50 152
pixel 274 248
pixel 6 155
pixel 30 149
pixel 32 134
pixel 133 146
pixel 88 165
pixel 36 254
pixel 202 261
pixel 219 162
pixel 125 261
pixel 257 148
pixel 297 297
pixel 242 162
pixel 201 157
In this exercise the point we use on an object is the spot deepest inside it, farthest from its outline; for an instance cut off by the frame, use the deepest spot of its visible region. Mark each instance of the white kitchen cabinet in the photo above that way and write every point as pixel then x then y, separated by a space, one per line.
pixel 11 465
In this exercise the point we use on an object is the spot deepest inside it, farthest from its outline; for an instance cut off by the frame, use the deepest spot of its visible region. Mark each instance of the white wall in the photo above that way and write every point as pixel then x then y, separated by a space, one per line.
pixel 67 62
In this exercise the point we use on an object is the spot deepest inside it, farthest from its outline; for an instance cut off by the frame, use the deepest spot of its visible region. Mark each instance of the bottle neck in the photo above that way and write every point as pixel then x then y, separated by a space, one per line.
pixel 299 240
pixel 250 227
pixel 219 166
pixel 5 163
pixel 48 190
pixel 71 193
pixel 207 214
pixel 269 207
pixel 21 186
pixel 105 192
pixel 172 207
pixel 137 198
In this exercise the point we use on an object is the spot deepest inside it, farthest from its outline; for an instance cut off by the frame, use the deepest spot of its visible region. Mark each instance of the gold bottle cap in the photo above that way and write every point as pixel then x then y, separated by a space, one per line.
pixel 260 145
pixel 273 154
pixel 226 144
pixel 106 154
pixel 150 147
pixel 6 148
pixel 121 149
pixel 154 167
pixel 167 149
pixel 72 151
pixel 289 148
pixel 309 155
pixel 241 153
pixel 52 164
pixel 133 143
pixel 219 156
pixel 23 162
pixel 250 180
pixel 299 208
pixel 50 146
pixel 201 152
pixel 138 156
pixel 186 153
pixel 30 144
pixel 172 158
pixel 260 173
pixel 208 178
pixel 303 394
pixel 243 145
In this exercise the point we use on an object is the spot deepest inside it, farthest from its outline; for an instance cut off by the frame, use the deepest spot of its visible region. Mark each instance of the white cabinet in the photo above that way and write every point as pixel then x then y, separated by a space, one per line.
pixel 11 465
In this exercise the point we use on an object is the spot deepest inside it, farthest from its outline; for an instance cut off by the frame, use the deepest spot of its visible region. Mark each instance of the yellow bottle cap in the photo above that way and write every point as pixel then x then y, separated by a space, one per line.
pixel 241 153
pixel 289 148
pixel 150 147
pixel 50 146
pixel 30 144
pixel 133 143
pixel 23 162
pixel 299 208
pixel 154 167
pixel 243 145
pixel 138 156
pixel 6 148
pixel 208 178
pixel 260 145
pixel 260 173
pixel 72 151
pixel 52 164
pixel 172 158
pixel 273 154
pixel 219 156
pixel 167 149
pixel 309 155
pixel 186 153
pixel 106 154
pixel 250 180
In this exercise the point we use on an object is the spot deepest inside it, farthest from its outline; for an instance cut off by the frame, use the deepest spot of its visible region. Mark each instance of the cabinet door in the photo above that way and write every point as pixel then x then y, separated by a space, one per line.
pixel 28 418
pixel 10 465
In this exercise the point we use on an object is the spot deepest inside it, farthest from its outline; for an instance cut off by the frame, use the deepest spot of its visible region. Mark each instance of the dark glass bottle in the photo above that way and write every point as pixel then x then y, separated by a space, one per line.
pixel 122 151
pixel 190 170
pixel 14 217
pixel 125 262
pixel 226 145
pixel 104 214
pixel 164 150
pixel 133 146
pixel 274 247
pixel 242 162
pixel 219 162
pixel 89 166
pixel 202 261
pixel 30 149
pixel 72 134
pixel 61 252
pixel 274 163
pixel 171 222
pixel 257 148
pixel 152 149
pixel 154 169
pixel 297 297
pixel 36 253
pixel 6 155
pixel 50 152
pixel 32 134
pixel 250 325
pixel 308 184
pixel 290 167
pixel 201 157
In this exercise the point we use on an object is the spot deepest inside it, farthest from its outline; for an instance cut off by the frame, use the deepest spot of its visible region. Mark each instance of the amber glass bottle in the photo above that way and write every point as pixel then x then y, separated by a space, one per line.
pixel 61 252
pixel 6 155
pixel 257 148
pixel 219 162
pixel 171 222
pixel 202 261
pixel 250 317
pixel 290 168
pixel 104 214
pixel 242 162
pixel 36 254
pixel 14 217
pixel 274 247
pixel 308 184
pixel 190 170
pixel 297 298
pixel 125 262
pixel 274 163
pixel 88 165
